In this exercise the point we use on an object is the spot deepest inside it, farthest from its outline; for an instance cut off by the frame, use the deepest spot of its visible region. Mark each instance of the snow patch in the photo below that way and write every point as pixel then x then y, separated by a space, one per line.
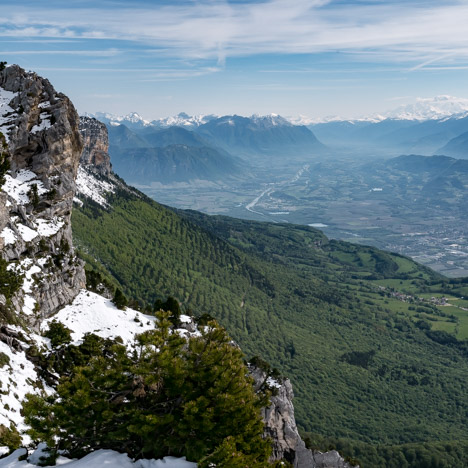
pixel 7 114
pixel 77 201
pixel 44 123
pixel 89 186
pixel 271 382
pixel 27 233
pixel 8 235
pixel 92 313
pixel 49 227
pixel 16 380
pixel 18 187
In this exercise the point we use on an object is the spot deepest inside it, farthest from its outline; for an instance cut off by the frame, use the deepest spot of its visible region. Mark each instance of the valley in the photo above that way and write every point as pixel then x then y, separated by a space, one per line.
pixel 391 203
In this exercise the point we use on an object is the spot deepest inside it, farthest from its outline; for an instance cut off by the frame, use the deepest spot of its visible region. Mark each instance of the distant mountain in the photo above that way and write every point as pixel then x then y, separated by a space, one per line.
pixel 172 163
pixel 174 154
pixel 183 120
pixel 121 136
pixel 132 120
pixel 437 165
pixel 457 147
pixel 268 135
pixel 429 109
pixel 410 136
pixel 171 136
pixel 434 108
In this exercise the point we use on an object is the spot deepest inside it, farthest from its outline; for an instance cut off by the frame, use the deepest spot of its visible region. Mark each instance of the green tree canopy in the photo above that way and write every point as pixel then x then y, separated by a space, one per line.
pixel 169 396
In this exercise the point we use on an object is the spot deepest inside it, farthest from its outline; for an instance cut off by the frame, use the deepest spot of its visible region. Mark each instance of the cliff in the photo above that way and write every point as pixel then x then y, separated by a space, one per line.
pixel 280 426
pixel 41 134
pixel 95 154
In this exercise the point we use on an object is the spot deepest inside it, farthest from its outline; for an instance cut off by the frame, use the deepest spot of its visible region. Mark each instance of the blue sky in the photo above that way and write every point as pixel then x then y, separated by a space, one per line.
pixel 292 57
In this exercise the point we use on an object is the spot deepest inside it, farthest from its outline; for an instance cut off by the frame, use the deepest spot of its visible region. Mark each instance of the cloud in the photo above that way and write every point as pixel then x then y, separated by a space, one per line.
pixel 421 32
pixel 89 53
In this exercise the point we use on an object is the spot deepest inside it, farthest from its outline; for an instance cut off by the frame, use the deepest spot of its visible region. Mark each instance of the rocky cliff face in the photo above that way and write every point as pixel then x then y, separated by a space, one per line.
pixel 95 146
pixel 280 426
pixel 40 129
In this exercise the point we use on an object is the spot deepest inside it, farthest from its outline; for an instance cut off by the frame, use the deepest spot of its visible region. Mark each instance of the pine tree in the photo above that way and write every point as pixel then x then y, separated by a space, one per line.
pixel 120 299
pixel 169 396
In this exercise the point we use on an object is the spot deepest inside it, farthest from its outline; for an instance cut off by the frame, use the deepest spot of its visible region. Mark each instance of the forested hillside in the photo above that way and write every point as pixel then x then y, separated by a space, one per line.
pixel 343 321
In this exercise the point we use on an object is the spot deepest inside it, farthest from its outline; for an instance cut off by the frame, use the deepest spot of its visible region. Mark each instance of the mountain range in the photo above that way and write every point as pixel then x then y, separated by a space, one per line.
pixel 212 149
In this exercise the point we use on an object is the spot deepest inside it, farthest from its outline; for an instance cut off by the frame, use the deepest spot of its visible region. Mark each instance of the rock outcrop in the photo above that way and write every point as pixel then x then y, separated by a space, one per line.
pixel 95 153
pixel 280 426
pixel 40 127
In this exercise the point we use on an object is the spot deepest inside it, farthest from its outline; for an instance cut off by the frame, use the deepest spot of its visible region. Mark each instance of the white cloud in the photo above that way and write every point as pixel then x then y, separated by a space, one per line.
pixel 398 31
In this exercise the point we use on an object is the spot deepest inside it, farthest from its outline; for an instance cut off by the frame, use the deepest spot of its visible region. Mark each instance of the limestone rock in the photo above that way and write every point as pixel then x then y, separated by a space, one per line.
pixel 280 426
pixel 44 144
pixel 95 146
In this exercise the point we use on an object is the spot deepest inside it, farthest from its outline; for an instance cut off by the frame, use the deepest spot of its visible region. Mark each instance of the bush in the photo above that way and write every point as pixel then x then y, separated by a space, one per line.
pixel 9 437
pixel 120 300
pixel 58 334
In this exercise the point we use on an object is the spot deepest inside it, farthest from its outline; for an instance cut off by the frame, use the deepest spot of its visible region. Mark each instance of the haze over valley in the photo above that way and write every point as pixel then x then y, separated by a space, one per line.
pixel 398 182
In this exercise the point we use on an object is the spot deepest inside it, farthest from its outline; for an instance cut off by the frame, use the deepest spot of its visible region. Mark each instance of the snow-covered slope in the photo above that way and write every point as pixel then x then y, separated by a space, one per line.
pixel 132 119
pixel 89 185
pixel 92 313
pixel 17 378
pixel 429 109
pixel 88 313
pixel 183 120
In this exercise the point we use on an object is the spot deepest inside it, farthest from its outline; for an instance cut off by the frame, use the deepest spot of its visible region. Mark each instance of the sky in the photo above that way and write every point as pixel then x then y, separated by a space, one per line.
pixel 314 58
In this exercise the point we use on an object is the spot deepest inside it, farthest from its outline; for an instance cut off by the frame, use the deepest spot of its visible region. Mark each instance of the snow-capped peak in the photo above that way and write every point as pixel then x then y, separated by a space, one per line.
pixel 435 108
pixel 430 108
pixel 183 120
pixel 133 118
pixel 270 120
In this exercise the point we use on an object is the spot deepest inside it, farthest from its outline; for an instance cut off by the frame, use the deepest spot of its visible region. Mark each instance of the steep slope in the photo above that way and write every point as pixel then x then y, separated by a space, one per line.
pixel 362 364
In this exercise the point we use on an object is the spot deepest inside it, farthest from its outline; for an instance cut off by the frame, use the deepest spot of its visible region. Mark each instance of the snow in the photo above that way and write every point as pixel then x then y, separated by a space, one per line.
pixel 434 108
pixel 132 118
pixel 92 313
pixel 27 233
pixel 44 123
pixel 183 120
pixel 77 201
pixel 5 99
pixel 97 459
pixel 185 318
pixel 19 186
pixel 8 235
pixel 271 382
pixel 89 186
pixel 47 228
pixel 271 120
pixel 16 379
